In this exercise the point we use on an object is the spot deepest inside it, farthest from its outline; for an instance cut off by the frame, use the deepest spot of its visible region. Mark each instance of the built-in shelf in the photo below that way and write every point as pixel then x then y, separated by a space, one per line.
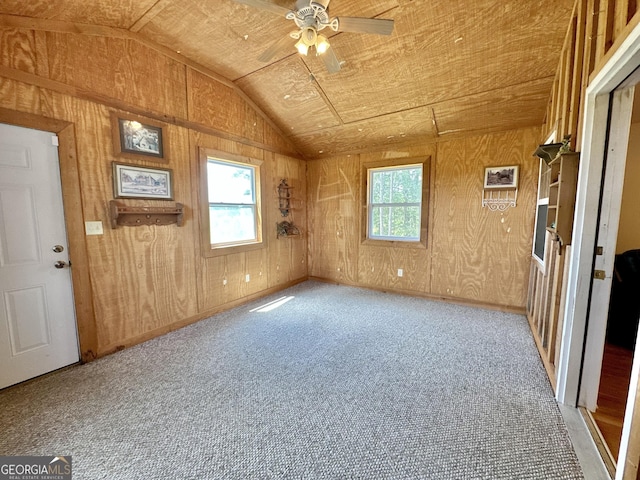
pixel 562 195
pixel 132 216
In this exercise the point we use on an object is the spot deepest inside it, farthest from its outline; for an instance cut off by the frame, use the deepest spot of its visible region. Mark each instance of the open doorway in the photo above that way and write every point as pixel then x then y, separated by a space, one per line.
pixel 624 304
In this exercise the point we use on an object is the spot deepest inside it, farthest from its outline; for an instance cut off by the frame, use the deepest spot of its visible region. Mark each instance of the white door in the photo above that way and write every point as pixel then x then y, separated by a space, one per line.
pixel 37 320
pixel 606 238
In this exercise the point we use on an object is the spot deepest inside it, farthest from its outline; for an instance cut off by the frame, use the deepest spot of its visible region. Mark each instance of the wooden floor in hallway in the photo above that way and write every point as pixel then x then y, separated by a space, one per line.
pixel 612 395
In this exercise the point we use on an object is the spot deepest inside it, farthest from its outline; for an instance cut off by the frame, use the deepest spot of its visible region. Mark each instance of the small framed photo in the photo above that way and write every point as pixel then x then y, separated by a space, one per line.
pixel 133 181
pixel 501 177
pixel 135 136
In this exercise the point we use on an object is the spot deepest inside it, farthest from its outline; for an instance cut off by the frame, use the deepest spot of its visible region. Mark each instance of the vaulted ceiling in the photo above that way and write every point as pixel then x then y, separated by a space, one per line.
pixel 450 67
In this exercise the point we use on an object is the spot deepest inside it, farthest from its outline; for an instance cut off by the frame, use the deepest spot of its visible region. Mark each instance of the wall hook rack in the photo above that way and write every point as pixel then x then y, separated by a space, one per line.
pixel 133 216
pixel 499 200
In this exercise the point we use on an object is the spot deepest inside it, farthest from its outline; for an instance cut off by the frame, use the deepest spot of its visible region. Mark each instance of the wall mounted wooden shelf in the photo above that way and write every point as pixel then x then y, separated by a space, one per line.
pixel 133 216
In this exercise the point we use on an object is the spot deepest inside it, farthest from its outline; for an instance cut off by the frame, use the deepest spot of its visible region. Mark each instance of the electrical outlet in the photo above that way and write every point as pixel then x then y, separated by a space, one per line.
pixel 400 272
pixel 93 228
pixel 224 281
pixel 247 277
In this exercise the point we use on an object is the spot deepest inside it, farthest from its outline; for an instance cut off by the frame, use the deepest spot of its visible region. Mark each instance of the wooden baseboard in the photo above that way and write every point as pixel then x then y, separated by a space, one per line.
pixel 429 296
pixel 130 342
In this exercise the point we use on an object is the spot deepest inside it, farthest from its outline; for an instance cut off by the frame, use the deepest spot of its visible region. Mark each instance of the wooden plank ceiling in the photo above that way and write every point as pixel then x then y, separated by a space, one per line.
pixel 450 68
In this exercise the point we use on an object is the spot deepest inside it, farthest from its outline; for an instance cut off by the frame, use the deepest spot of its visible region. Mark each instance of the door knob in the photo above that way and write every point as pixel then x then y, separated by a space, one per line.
pixel 58 248
pixel 60 264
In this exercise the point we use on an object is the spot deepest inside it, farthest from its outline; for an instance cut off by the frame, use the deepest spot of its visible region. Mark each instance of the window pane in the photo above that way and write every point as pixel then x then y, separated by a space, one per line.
pixel 402 223
pixel 396 185
pixel 232 223
pixel 230 183
pixel 541 231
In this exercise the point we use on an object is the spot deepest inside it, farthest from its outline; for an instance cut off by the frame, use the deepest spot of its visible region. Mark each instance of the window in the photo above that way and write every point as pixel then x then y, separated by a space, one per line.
pixel 396 200
pixel 542 206
pixel 233 200
pixel 540 229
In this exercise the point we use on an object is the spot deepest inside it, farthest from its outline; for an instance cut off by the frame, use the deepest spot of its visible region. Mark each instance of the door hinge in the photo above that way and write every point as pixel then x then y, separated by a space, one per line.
pixel 598 274
pixel 599 250
pixel 54 141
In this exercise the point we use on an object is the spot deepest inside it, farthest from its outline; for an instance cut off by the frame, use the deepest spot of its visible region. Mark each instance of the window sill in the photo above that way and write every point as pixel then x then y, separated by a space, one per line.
pixel 414 244
pixel 215 251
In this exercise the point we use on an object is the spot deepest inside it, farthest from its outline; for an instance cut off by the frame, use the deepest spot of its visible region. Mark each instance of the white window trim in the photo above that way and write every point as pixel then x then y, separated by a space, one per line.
pixel 541 201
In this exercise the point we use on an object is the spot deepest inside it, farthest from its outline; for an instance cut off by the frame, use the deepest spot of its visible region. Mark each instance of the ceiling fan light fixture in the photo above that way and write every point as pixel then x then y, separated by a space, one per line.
pixel 302 47
pixel 322 45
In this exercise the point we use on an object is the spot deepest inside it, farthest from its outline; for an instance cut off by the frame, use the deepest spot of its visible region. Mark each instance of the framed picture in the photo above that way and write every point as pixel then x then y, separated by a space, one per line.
pixel 133 181
pixel 135 136
pixel 501 177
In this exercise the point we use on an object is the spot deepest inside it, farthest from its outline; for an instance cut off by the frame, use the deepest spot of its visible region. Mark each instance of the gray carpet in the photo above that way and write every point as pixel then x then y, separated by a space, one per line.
pixel 336 383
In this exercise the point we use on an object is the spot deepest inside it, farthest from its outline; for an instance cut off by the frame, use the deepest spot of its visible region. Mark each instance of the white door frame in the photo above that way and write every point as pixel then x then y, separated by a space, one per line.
pixel 607 236
pixel 596 103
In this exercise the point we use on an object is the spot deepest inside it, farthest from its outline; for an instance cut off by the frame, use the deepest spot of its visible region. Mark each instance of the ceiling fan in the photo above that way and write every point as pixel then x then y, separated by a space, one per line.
pixel 310 17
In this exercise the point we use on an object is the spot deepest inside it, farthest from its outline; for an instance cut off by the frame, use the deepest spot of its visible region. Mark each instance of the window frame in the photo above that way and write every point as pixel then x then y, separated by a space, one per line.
pixel 212 250
pixel 539 202
pixel 543 172
pixel 420 243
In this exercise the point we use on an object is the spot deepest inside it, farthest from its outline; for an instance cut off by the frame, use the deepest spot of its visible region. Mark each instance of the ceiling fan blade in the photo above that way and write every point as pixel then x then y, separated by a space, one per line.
pixel 265 5
pixel 279 46
pixel 379 26
pixel 331 61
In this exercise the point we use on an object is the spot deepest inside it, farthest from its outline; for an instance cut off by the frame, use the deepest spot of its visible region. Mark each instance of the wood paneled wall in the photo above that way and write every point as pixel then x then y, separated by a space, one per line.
pixel 147 280
pixel 472 254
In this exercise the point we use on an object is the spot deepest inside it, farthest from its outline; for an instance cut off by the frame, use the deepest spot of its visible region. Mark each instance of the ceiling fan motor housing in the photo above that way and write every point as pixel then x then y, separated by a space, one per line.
pixel 310 14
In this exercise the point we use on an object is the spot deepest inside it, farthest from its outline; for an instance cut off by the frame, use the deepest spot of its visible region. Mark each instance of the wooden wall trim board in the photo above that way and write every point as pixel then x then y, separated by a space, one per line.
pixel 149 15
pixel 576 78
pixel 74 220
pixel 60 87
pixel 588 60
pixel 47 25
